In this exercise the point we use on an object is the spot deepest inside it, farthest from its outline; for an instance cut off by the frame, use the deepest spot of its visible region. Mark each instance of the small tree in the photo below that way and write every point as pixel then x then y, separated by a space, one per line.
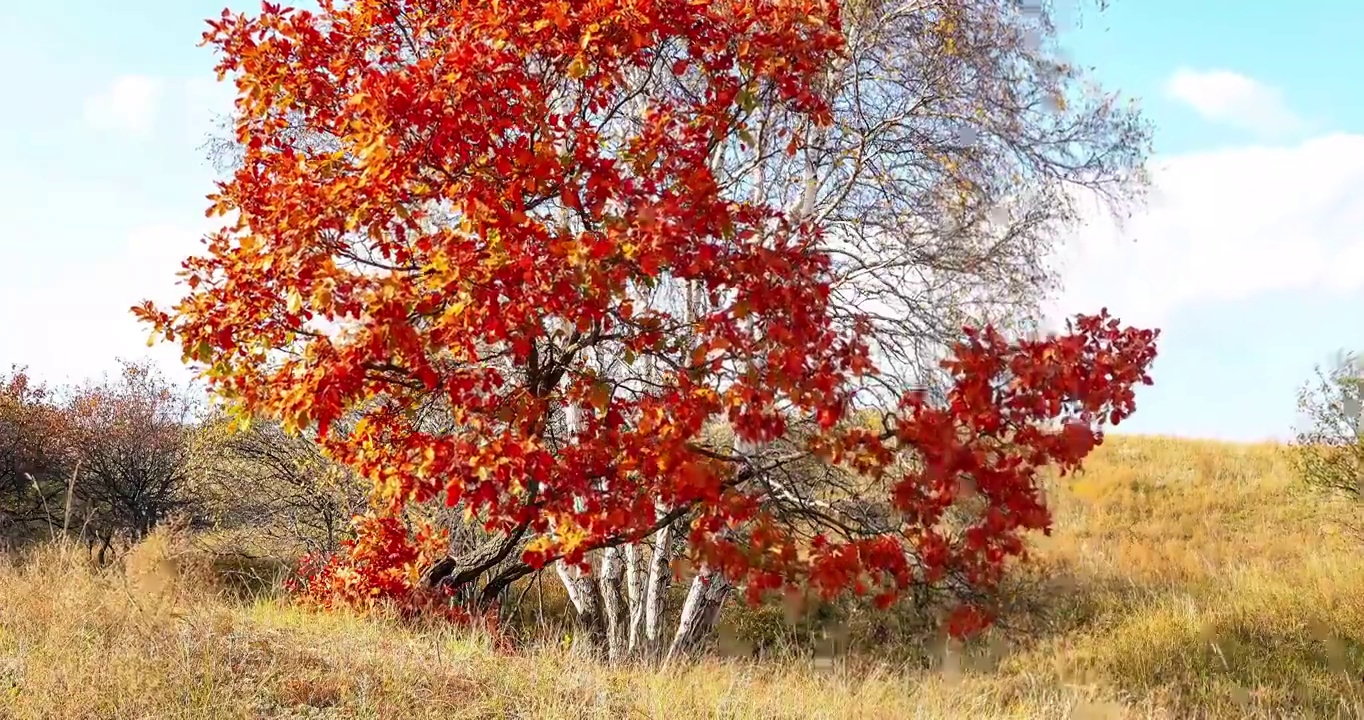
pixel 512 213
pixel 35 462
pixel 1329 451
pixel 131 437
pixel 267 488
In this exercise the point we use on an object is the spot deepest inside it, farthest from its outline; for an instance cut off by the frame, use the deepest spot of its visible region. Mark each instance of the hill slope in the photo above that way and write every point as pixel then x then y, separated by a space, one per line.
pixel 1184 579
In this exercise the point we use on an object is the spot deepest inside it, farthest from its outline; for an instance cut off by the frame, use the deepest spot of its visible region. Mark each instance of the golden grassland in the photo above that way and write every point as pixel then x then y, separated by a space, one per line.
pixel 1185 579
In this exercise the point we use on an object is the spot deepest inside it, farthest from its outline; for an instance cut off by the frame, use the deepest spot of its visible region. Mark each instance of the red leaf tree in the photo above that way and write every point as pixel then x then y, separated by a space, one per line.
pixel 131 435
pixel 102 460
pixel 35 462
pixel 482 249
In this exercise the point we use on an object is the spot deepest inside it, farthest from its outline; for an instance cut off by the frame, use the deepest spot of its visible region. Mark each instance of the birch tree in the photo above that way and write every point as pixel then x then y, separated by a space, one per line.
pixel 1329 446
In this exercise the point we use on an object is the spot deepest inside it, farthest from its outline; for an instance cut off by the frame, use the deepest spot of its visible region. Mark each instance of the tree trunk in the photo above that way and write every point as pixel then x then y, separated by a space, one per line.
pixel 706 597
pixel 634 587
pixel 589 634
pixel 614 605
pixel 104 548
pixel 701 612
pixel 660 576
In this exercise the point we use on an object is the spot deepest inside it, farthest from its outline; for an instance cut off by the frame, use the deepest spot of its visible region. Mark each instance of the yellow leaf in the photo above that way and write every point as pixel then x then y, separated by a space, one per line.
pixel 295 301
pixel 455 310
pixel 322 296
pixel 570 535
pixel 539 544
pixel 601 396
pixel 577 68
pixel 577 253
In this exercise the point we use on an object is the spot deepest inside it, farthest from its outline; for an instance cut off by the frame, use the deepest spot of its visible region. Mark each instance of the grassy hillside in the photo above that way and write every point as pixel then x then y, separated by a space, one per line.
pixel 1185 579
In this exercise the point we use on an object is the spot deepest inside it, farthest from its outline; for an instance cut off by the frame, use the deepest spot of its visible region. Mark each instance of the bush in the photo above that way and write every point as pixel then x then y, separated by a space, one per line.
pixel 1329 450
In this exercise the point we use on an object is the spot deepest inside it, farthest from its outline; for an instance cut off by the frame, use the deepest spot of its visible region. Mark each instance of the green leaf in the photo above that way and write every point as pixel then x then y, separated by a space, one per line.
pixel 747 100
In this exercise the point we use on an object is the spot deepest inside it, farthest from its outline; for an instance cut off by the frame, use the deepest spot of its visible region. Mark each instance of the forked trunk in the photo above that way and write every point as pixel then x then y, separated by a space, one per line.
pixel 619 612
pixel 590 631
pixel 705 598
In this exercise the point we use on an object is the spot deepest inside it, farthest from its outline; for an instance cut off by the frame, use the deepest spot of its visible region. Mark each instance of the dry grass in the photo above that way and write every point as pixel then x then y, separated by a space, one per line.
pixel 1185 579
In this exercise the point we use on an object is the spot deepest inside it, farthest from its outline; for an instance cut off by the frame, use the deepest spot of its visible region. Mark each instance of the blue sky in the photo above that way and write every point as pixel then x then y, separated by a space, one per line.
pixel 1250 255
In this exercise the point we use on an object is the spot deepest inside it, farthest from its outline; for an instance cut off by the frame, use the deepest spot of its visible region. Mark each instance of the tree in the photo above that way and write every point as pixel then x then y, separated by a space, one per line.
pixel 35 465
pixel 530 216
pixel 962 143
pixel 131 438
pixel 1329 450
pixel 277 490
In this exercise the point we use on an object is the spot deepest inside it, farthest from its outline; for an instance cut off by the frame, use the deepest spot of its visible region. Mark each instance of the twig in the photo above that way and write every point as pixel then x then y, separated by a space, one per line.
pixel 540 595
pixel 46 512
pixel 521 598
pixel 70 491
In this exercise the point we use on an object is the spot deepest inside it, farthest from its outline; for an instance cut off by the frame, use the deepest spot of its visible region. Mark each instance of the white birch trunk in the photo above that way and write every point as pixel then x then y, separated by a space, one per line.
pixel 634 589
pixel 614 605
pixel 568 576
pixel 589 626
pixel 700 613
pixel 706 597
pixel 660 576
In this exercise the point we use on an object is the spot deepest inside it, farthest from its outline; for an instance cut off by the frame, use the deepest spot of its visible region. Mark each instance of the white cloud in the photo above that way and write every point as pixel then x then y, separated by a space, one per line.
pixel 129 104
pixel 70 319
pixel 1229 98
pixel 1224 226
